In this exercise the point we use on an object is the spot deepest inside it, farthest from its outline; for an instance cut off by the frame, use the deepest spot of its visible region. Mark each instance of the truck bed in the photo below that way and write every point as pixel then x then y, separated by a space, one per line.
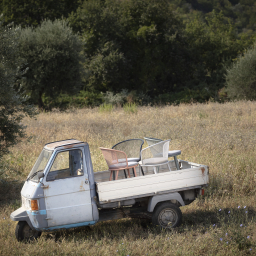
pixel 191 175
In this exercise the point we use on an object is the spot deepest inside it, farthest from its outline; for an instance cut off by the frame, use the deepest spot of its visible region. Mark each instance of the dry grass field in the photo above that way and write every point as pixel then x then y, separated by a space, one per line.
pixel 222 136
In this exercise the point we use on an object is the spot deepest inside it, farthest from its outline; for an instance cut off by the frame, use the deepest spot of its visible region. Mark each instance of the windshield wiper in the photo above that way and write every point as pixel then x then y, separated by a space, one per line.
pixel 33 175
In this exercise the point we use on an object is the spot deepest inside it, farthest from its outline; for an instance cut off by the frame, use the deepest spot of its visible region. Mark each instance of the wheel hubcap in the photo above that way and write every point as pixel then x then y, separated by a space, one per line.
pixel 167 218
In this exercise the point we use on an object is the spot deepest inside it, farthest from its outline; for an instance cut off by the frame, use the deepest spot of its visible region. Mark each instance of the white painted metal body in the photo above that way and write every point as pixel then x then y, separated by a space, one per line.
pixel 163 182
pixel 68 200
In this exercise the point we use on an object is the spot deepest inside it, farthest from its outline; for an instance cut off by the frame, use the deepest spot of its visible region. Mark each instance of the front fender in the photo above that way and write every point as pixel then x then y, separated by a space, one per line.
pixel 165 197
pixel 21 215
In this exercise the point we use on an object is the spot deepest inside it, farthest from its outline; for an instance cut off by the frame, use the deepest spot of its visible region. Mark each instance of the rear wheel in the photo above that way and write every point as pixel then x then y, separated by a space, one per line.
pixel 24 232
pixel 167 215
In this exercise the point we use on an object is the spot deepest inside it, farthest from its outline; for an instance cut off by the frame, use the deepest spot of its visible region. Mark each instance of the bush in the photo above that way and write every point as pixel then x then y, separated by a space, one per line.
pixel 53 57
pixel 79 100
pixel 241 76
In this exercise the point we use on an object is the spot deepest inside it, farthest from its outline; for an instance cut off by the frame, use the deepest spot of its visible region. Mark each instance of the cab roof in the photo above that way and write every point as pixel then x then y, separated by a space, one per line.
pixel 63 143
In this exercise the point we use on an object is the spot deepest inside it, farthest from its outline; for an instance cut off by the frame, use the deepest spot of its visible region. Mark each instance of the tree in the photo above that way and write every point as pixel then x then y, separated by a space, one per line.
pixel 13 105
pixel 33 12
pixel 134 45
pixel 52 52
pixel 214 44
pixel 241 76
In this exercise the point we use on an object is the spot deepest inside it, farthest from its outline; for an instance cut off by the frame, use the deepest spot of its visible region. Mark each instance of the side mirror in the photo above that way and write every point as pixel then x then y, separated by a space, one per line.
pixel 40 175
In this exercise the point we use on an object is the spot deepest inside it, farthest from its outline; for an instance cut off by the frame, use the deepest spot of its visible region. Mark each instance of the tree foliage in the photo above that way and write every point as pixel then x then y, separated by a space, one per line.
pixel 214 43
pixel 13 105
pixel 241 76
pixel 134 45
pixel 33 12
pixel 52 52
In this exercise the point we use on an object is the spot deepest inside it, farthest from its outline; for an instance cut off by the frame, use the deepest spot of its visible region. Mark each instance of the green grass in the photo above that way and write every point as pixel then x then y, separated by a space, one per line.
pixel 221 136
pixel 105 108
pixel 130 108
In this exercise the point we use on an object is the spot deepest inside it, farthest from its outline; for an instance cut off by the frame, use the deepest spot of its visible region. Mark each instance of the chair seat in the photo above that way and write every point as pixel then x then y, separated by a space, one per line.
pixel 133 159
pixel 174 153
pixel 154 160
pixel 122 165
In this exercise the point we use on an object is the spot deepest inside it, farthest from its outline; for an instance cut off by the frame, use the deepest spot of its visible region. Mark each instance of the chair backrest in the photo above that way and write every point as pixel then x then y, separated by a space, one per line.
pixel 114 157
pixel 159 149
pixel 131 147
pixel 151 141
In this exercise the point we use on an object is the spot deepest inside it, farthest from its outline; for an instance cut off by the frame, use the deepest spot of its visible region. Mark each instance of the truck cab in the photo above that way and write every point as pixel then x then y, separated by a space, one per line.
pixel 59 190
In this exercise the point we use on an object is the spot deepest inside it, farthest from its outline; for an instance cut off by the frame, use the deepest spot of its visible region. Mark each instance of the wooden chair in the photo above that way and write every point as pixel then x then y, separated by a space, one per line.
pixel 116 161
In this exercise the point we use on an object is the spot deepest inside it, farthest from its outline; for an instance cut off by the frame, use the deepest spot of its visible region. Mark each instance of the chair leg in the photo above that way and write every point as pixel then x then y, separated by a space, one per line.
pixel 176 163
pixel 134 172
pixel 142 171
pixel 125 174
pixel 116 175
pixel 129 173
pixel 111 173
pixel 169 167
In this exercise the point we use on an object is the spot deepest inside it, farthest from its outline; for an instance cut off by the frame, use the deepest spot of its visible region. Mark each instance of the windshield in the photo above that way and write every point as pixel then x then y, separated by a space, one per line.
pixel 40 164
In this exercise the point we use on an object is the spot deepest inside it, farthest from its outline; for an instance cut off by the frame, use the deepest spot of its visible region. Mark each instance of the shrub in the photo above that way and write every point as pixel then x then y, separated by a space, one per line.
pixel 241 76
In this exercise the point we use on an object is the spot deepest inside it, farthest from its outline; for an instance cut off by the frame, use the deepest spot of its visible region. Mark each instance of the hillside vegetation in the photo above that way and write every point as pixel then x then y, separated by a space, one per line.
pixel 160 52
pixel 221 136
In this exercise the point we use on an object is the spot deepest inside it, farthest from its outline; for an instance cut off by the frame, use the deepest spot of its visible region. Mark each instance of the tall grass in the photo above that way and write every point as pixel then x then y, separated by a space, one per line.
pixel 105 108
pixel 130 108
pixel 221 136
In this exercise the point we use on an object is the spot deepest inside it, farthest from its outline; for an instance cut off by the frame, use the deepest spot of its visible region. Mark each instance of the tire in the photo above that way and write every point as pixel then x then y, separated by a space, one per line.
pixel 167 215
pixel 24 233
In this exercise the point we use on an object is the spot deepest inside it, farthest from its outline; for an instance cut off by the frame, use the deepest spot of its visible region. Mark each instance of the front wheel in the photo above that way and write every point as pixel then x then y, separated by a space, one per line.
pixel 23 232
pixel 167 215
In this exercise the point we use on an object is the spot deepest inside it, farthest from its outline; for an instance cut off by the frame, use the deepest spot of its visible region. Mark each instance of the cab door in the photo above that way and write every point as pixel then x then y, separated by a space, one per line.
pixel 67 191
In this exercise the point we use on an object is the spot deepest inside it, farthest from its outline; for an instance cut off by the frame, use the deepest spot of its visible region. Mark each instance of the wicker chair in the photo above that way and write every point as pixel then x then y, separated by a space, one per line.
pixel 116 161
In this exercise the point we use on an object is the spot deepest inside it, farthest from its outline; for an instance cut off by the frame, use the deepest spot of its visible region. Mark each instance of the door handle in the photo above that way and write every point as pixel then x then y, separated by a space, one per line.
pixel 86 182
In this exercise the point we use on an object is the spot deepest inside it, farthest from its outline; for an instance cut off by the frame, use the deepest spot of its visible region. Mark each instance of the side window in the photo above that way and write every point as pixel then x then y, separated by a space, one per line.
pixel 66 164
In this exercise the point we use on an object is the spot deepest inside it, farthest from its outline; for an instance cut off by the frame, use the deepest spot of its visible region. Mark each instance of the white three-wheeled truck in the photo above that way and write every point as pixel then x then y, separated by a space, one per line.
pixel 63 192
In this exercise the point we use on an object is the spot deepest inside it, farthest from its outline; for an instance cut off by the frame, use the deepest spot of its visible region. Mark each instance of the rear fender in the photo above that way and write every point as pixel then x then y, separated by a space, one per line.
pixel 154 200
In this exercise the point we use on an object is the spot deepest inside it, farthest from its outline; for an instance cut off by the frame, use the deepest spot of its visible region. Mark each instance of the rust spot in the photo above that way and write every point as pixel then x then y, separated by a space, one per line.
pixel 202 169
pixel 81 186
pixel 64 143
pixel 69 146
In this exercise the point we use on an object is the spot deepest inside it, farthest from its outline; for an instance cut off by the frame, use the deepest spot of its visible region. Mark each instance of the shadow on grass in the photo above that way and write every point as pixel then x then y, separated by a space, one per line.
pixel 133 228
pixel 218 217
pixel 141 229
pixel 10 193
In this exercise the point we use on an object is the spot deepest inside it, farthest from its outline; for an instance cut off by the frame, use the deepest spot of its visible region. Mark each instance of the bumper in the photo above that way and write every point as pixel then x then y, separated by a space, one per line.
pixel 21 215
